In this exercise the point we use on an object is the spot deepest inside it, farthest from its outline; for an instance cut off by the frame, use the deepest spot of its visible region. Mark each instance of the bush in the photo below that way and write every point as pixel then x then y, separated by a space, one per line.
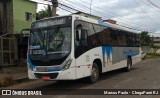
pixel 6 81
pixel 153 54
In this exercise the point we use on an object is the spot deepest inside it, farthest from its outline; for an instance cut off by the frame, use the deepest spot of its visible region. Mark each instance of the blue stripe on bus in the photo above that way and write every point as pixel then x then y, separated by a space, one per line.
pixel 103 51
pixel 30 63
pixel 103 23
pixel 106 50
pixel 130 54
pixel 56 69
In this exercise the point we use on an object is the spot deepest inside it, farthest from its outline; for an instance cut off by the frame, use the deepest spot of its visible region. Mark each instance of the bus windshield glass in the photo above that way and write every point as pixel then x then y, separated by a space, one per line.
pixel 50 42
pixel 54 43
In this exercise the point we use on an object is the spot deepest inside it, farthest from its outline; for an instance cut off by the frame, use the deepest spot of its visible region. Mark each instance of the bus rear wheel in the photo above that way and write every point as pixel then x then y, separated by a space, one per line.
pixel 94 73
pixel 129 64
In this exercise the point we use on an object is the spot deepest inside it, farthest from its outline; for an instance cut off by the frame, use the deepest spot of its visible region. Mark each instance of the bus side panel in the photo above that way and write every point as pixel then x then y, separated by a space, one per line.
pixel 120 56
pixel 68 74
pixel 85 61
pixel 82 68
pixel 111 57
pixel 137 58
pixel 107 55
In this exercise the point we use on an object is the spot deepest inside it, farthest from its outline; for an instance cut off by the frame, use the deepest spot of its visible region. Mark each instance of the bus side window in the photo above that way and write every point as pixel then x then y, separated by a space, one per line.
pixel 114 37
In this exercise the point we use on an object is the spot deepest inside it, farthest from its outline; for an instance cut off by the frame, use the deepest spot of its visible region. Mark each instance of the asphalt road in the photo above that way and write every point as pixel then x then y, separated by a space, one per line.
pixel 144 75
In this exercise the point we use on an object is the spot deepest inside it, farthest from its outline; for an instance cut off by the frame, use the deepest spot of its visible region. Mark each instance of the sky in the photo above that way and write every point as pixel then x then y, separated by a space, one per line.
pixel 137 14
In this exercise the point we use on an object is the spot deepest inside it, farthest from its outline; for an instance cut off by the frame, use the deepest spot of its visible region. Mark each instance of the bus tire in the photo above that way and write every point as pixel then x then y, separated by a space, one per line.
pixel 94 73
pixel 129 65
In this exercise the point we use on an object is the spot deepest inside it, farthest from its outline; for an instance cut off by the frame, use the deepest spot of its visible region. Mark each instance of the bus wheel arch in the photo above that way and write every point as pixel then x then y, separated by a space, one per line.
pixel 95 71
pixel 99 63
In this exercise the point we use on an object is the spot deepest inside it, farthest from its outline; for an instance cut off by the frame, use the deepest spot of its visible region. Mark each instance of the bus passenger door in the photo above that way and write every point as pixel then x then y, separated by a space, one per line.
pixel 81 46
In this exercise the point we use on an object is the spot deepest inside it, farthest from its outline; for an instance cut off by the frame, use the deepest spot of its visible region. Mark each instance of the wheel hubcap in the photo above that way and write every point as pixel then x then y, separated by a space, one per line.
pixel 94 73
pixel 129 65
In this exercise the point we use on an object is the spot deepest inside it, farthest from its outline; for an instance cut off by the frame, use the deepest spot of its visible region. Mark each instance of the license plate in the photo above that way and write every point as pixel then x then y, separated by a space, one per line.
pixel 45 78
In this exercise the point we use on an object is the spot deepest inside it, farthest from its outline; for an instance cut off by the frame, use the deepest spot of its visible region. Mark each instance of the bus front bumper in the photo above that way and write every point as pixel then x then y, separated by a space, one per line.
pixel 68 74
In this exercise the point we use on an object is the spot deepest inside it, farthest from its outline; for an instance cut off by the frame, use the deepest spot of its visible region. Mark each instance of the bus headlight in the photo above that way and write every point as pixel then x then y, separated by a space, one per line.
pixel 67 65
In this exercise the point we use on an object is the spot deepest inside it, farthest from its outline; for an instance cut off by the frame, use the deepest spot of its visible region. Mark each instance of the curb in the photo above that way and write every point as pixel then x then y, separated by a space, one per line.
pixel 7 81
pixel 21 79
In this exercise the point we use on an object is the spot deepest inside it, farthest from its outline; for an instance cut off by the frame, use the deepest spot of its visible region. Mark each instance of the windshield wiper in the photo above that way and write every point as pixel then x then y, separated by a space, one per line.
pixel 58 52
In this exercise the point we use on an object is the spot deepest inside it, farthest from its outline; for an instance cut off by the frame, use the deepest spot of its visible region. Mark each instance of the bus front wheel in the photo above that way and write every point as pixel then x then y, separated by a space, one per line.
pixel 94 73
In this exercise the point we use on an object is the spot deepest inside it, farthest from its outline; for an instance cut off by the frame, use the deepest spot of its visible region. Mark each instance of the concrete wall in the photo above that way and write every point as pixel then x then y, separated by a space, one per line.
pixel 147 49
pixel 158 51
pixel 156 41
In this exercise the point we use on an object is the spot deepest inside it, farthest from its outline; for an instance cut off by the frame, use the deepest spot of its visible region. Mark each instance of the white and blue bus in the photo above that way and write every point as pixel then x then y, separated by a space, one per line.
pixel 73 47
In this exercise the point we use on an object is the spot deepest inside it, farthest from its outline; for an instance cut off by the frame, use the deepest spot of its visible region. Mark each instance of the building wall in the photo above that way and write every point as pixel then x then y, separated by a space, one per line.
pixel 146 49
pixel 88 15
pixel 158 51
pixel 156 41
pixel 19 9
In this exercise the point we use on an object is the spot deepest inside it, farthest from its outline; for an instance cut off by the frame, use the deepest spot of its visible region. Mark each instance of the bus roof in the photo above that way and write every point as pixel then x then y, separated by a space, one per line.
pixel 100 22
pixel 91 20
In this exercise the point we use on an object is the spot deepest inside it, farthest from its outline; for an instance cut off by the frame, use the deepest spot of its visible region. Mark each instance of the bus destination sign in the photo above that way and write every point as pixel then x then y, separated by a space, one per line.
pixel 50 22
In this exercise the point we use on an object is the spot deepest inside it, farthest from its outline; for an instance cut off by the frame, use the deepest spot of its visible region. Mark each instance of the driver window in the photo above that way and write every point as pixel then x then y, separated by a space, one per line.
pixel 84 38
pixel 81 36
pixel 78 35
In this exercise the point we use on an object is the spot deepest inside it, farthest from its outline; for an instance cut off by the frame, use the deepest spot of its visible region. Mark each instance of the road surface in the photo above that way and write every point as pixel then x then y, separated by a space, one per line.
pixel 144 75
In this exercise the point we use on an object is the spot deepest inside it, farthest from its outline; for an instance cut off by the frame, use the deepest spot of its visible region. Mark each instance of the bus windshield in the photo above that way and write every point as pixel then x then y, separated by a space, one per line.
pixel 50 43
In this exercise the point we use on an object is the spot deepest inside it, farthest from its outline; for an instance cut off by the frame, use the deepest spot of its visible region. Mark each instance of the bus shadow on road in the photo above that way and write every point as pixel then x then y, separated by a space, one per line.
pixel 78 84
pixel 115 73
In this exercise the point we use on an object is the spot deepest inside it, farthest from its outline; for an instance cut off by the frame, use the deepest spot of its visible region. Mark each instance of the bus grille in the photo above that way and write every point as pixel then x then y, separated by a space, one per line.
pixel 51 75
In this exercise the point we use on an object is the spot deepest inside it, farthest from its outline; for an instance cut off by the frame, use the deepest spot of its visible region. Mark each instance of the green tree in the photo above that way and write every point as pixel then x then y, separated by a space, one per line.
pixel 47 12
pixel 145 38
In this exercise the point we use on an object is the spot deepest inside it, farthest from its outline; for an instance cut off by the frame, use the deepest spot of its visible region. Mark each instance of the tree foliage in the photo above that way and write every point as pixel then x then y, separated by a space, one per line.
pixel 145 38
pixel 47 12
